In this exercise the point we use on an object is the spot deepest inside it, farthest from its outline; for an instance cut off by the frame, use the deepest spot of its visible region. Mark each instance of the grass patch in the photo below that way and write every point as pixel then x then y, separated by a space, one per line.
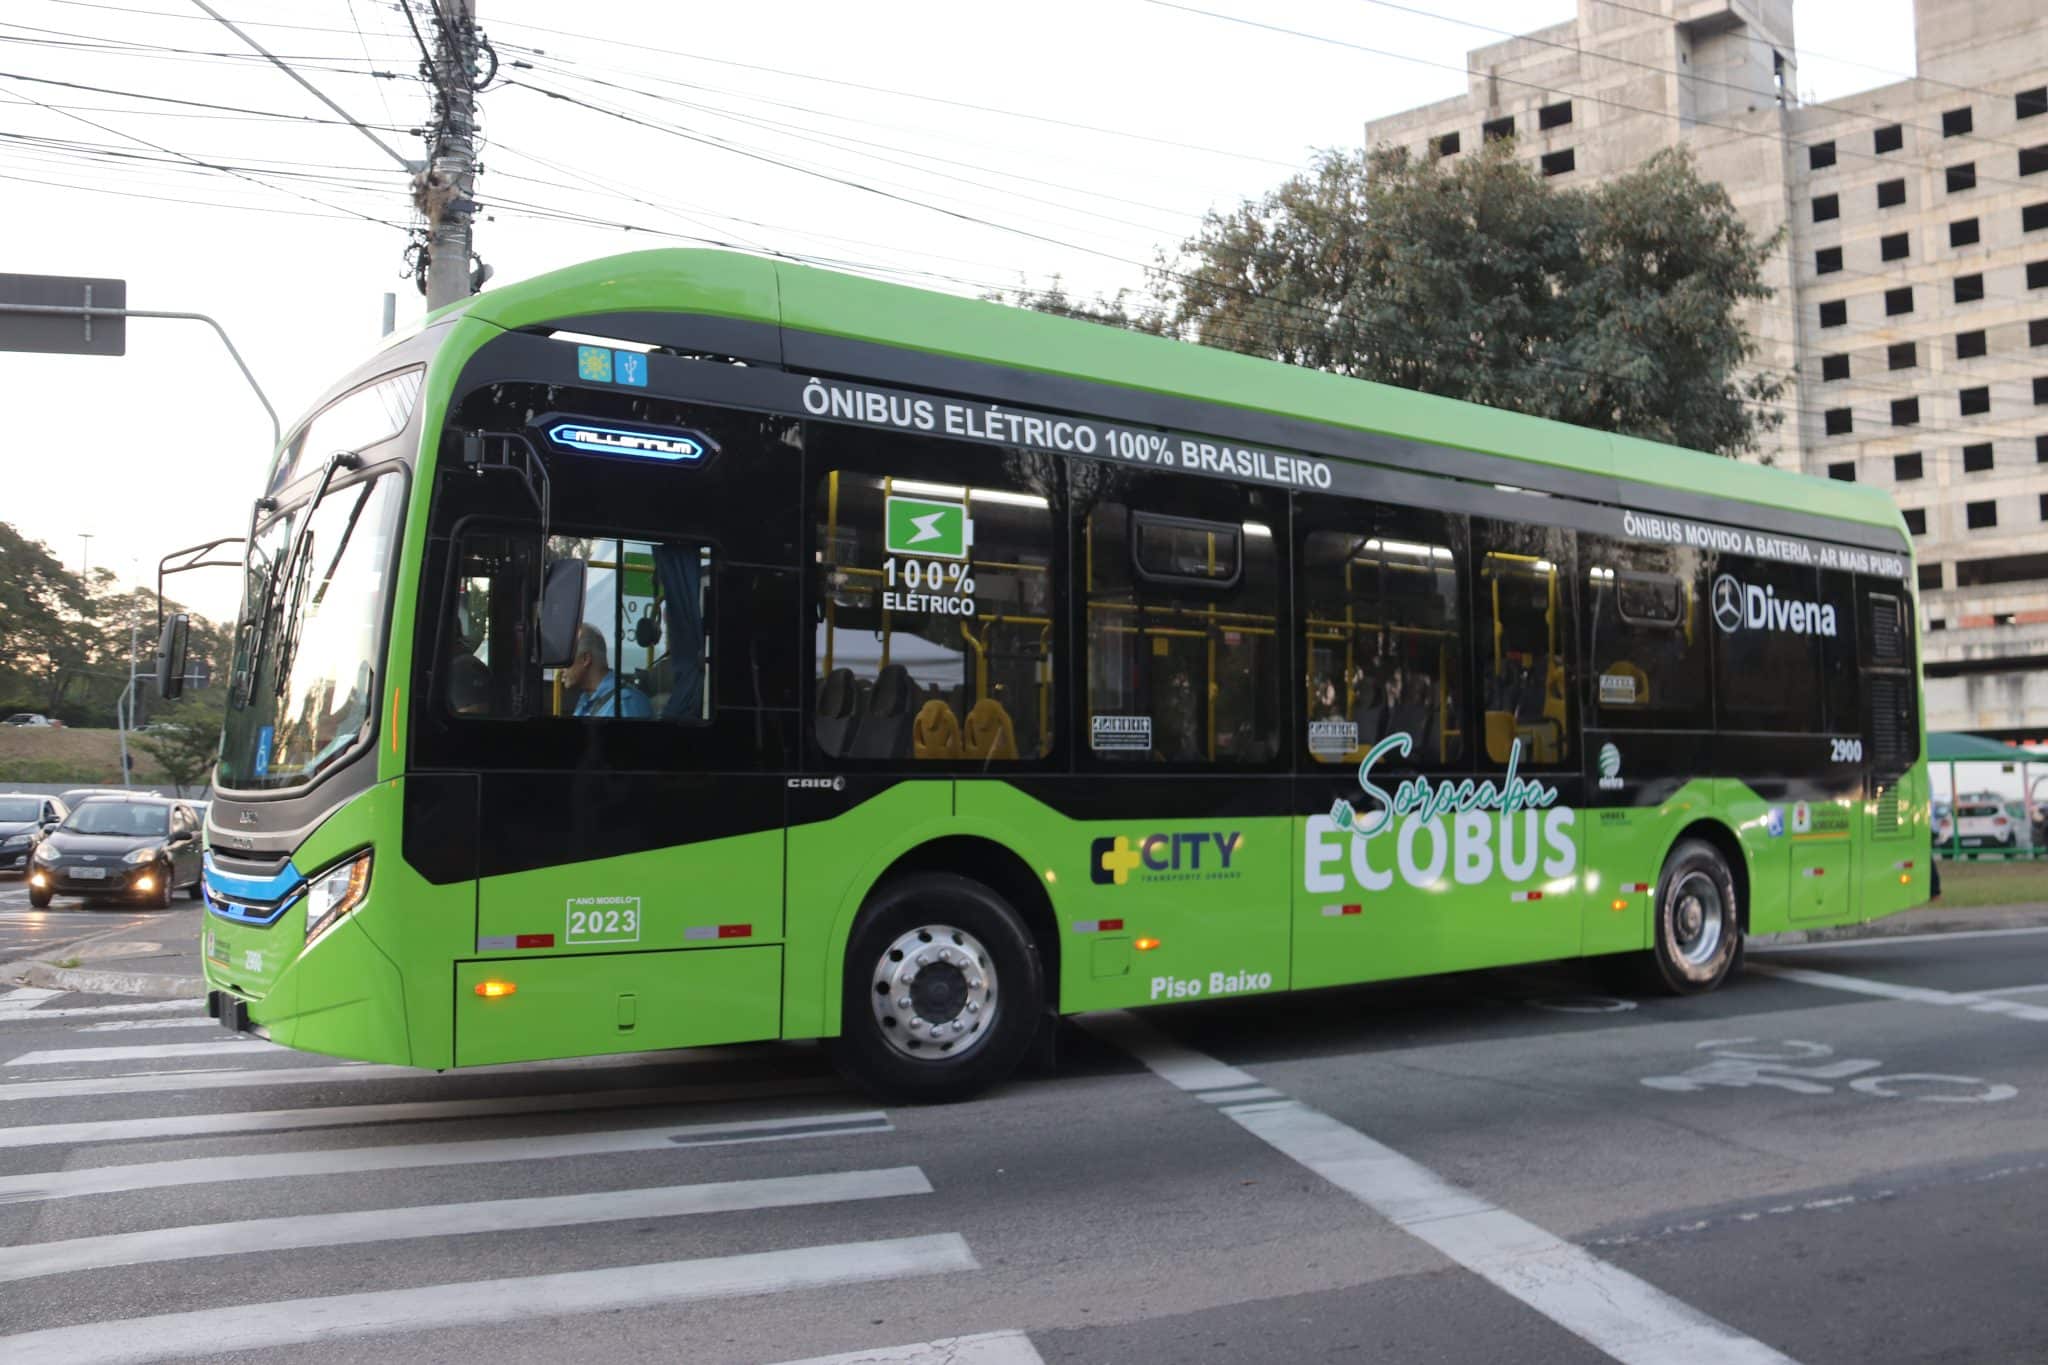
pixel 66 962
pixel 1967 883
pixel 69 754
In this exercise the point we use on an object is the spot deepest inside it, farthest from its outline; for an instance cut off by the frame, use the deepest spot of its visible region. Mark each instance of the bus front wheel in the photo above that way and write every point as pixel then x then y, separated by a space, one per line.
pixel 1697 942
pixel 943 990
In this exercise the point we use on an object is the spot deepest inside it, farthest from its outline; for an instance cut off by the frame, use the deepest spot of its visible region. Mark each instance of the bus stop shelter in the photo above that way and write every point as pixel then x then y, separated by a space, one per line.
pixel 1954 747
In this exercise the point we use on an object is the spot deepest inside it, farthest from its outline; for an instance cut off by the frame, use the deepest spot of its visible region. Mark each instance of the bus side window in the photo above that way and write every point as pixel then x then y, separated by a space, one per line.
pixel 1646 641
pixel 1384 634
pixel 1182 612
pixel 643 650
pixel 1523 581
pixel 933 607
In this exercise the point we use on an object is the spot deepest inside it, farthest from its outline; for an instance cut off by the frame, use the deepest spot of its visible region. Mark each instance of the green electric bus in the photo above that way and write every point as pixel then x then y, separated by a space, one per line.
pixel 687 648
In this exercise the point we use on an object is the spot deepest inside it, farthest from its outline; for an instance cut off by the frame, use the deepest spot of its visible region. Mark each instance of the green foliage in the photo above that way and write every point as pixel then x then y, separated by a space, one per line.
pixel 1611 307
pixel 186 741
pixel 65 642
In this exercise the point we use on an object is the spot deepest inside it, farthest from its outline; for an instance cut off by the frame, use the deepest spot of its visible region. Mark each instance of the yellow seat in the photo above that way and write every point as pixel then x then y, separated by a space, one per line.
pixel 936 731
pixel 990 735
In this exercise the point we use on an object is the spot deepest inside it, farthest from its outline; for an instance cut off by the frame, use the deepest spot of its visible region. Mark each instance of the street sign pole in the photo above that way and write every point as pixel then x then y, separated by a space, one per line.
pixel 34 310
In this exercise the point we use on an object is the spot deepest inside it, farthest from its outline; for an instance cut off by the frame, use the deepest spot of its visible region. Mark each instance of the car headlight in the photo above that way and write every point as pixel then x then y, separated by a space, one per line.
pixel 45 854
pixel 141 855
pixel 336 892
pixel 15 841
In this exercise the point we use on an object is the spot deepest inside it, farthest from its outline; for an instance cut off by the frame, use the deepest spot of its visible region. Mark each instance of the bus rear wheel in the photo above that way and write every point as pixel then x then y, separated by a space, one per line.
pixel 943 991
pixel 1697 940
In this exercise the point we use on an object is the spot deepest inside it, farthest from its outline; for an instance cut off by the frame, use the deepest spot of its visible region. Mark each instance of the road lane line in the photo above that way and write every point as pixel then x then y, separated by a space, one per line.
pixel 403 1111
pixel 479 1303
pixel 1887 940
pixel 985 1348
pixel 1628 1318
pixel 1918 995
pixel 148 1175
pixel 39 1259
pixel 145 1052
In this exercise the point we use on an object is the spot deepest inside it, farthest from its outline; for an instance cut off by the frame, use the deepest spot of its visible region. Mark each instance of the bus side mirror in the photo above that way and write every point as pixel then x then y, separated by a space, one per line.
pixel 170 657
pixel 561 612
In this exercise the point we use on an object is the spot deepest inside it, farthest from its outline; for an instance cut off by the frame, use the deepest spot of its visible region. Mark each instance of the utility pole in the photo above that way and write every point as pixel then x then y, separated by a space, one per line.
pixel 84 555
pixel 445 191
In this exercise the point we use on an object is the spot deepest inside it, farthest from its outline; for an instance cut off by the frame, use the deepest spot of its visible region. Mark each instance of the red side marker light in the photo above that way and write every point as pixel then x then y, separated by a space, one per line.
pixel 735 931
pixel 534 941
pixel 492 990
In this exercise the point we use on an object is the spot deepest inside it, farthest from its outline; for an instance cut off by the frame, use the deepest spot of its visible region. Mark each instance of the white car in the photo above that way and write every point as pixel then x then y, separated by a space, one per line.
pixel 27 718
pixel 1977 824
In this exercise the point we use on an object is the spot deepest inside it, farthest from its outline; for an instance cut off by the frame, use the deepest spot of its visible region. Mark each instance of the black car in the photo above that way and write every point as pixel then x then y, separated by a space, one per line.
pixel 24 820
pixel 133 847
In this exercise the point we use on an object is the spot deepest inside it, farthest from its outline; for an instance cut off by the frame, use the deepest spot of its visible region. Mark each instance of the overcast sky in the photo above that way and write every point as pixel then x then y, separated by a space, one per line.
pixel 1091 131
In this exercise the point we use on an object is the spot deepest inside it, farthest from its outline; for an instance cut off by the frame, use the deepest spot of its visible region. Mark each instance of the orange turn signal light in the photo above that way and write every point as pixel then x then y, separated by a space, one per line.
pixel 491 990
pixel 1620 904
pixel 1146 945
pixel 1905 879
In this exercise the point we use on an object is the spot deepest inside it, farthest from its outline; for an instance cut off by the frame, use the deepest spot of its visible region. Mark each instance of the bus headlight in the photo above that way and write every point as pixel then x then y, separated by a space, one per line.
pixel 336 892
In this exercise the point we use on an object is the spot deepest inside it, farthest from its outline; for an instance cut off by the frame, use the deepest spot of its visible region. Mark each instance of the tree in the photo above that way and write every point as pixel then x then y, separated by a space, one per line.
pixel 186 744
pixel 46 628
pixel 1611 307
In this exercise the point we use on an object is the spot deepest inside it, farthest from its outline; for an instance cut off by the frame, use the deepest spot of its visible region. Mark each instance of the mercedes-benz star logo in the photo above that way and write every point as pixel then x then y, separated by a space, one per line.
pixel 1728 603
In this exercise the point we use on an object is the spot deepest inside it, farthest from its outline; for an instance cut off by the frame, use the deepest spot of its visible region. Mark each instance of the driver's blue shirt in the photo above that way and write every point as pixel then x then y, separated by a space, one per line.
pixel 599 703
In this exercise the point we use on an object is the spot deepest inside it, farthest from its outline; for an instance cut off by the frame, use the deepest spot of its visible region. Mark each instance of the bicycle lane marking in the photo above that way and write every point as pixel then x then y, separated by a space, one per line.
pixel 1918 995
pixel 1628 1318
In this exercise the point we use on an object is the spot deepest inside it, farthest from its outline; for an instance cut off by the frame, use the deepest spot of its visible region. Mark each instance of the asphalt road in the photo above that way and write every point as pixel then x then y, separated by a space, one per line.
pixel 25 931
pixel 1841 1158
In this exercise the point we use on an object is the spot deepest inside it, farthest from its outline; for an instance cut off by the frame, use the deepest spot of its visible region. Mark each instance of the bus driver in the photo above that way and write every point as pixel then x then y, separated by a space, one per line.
pixel 600 693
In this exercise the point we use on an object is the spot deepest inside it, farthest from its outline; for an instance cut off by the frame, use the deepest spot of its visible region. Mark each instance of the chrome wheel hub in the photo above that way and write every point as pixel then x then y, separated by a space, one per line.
pixel 934 993
pixel 1696 920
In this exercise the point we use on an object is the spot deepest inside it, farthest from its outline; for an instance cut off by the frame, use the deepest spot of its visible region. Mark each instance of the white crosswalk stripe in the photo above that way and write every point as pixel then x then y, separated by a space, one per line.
pixel 146 1052
pixel 123 1025
pixel 304 1322
pixel 356 1160
pixel 448 1220
pixel 573 1156
pixel 985 1348
pixel 414 1111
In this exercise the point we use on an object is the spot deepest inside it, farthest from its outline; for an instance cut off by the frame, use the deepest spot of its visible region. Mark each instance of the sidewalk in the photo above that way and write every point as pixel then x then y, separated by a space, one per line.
pixel 159 960
pixel 1928 919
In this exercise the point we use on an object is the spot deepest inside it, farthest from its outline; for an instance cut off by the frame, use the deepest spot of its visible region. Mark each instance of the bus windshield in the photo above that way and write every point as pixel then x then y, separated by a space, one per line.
pixel 303 690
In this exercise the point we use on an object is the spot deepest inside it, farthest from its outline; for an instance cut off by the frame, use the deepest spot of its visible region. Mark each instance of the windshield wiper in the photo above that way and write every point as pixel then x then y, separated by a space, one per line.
pixel 281 572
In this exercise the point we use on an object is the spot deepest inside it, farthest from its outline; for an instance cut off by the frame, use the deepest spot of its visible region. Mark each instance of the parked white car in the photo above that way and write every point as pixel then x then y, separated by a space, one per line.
pixel 27 718
pixel 1977 823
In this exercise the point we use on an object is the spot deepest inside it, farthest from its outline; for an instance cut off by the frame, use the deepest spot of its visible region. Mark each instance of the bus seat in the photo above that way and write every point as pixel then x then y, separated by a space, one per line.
pixel 990 734
pixel 1500 735
pixel 936 732
pixel 838 712
pixel 885 723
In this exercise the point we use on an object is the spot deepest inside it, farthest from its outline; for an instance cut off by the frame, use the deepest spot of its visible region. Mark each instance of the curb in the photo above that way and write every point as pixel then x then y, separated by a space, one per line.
pixel 39 971
pixel 2022 916
pixel 86 981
